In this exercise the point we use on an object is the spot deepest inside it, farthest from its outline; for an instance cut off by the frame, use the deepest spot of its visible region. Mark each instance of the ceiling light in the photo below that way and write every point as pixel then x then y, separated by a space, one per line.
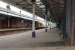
pixel 42 6
pixel 3 5
pixel 37 0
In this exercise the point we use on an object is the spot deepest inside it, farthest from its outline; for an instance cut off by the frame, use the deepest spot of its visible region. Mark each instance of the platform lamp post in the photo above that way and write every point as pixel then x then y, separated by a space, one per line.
pixel 33 21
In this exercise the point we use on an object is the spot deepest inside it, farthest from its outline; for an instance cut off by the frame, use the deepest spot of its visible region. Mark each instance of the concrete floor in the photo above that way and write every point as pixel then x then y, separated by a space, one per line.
pixel 41 48
pixel 24 39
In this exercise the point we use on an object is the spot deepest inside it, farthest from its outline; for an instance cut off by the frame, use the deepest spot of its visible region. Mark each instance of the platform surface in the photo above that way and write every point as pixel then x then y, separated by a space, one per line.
pixel 24 39
pixel 42 48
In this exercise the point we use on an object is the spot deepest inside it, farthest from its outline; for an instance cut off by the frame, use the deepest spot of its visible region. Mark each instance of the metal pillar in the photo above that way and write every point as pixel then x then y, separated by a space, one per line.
pixel 8 8
pixel 33 22
pixel 46 13
pixel 68 22
pixel 50 24
pixel 8 22
pixel 73 22
pixel 46 23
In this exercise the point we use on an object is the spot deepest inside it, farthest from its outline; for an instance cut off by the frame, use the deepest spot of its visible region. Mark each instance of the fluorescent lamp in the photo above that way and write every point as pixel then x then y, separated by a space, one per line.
pixel 42 6
pixel 3 4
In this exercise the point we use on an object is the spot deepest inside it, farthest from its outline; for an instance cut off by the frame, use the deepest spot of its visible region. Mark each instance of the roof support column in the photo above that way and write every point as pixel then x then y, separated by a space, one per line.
pixel 68 22
pixel 8 8
pixel 46 15
pixel 73 24
pixel 46 23
pixel 33 22
pixel 8 22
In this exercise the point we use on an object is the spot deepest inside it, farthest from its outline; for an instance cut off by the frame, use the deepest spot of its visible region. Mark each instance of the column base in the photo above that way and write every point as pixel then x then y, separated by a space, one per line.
pixel 33 34
pixel 45 30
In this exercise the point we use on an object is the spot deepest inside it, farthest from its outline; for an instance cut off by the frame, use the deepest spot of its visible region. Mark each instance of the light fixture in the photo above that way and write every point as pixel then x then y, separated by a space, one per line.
pixel 42 6
pixel 3 4
pixel 37 0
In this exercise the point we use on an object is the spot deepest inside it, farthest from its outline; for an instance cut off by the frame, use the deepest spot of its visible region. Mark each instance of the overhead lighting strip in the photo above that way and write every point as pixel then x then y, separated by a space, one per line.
pixel 14 11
